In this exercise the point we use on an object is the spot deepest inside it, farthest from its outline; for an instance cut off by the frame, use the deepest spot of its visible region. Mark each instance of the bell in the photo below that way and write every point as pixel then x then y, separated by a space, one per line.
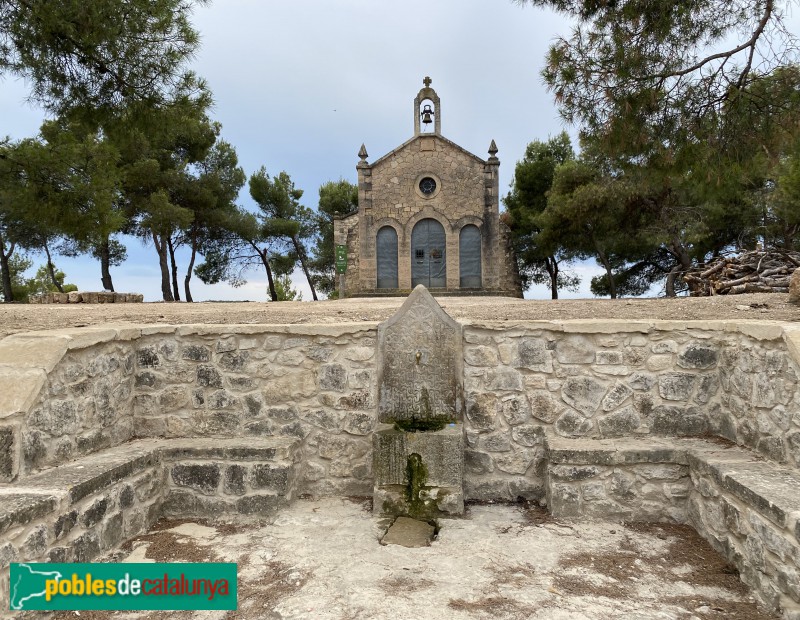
pixel 427 112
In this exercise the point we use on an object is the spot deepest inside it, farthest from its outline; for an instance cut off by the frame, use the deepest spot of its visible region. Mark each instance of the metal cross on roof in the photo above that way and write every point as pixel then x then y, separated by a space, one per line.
pixel 427 81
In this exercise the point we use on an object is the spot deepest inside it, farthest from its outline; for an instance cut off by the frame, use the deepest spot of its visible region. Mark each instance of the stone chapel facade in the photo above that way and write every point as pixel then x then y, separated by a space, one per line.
pixel 428 213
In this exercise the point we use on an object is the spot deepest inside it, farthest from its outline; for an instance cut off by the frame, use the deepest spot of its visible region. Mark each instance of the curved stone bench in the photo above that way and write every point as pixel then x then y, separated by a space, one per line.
pixel 77 511
pixel 747 507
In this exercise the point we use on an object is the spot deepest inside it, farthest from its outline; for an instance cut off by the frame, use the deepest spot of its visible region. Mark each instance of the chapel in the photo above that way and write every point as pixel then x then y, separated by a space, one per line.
pixel 428 213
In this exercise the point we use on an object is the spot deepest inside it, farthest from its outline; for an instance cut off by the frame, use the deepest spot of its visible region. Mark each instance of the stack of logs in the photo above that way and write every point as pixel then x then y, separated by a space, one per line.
pixel 75 297
pixel 757 271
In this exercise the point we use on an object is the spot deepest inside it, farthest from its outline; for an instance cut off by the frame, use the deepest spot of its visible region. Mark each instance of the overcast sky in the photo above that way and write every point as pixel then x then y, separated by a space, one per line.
pixel 299 85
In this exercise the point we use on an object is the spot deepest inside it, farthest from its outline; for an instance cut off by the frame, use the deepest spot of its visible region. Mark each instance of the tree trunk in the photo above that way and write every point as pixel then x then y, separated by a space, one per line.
pixel 612 286
pixel 263 255
pixel 105 265
pixel 176 291
pixel 8 292
pixel 189 270
pixel 684 260
pixel 51 271
pixel 551 264
pixel 670 286
pixel 302 255
pixel 161 248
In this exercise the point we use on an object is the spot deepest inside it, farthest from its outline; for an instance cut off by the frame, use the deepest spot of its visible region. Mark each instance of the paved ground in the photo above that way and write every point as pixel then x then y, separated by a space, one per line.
pixel 321 560
pixel 19 317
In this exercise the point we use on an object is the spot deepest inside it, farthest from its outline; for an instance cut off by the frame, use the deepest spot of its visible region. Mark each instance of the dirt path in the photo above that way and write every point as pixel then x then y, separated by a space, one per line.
pixel 16 318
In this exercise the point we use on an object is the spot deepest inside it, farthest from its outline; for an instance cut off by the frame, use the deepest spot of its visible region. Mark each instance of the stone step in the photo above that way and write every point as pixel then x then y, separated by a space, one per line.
pixel 747 507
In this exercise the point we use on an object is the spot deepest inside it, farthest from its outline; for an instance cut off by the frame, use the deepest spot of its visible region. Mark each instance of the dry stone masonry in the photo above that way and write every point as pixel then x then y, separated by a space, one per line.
pixel 103 430
pixel 76 297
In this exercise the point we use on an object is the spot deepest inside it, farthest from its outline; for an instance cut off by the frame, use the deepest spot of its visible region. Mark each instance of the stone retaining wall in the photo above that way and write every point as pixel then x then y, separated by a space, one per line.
pixel 75 297
pixel 77 511
pixel 72 392
pixel 744 505
pixel 604 379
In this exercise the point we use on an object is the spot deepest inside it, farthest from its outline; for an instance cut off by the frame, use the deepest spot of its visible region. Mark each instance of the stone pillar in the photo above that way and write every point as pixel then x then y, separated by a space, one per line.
pixel 366 234
pixel 491 221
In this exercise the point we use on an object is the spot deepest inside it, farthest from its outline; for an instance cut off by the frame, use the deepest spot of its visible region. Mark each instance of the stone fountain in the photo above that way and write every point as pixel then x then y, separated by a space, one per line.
pixel 418 449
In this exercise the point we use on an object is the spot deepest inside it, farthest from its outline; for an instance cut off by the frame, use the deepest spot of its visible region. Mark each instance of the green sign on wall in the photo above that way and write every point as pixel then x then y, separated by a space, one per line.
pixel 341 259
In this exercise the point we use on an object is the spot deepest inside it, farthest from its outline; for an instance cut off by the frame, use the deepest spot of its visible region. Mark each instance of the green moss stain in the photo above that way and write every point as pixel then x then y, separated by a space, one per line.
pixel 417 474
pixel 422 425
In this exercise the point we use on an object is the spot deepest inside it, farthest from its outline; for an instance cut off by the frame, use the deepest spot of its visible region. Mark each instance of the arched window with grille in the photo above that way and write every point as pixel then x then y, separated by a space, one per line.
pixel 386 245
pixel 469 257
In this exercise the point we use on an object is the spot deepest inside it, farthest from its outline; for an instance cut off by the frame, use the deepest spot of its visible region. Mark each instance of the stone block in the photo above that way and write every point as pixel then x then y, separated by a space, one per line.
pixel 64 523
pixel 86 547
pixel 698 355
pixel 604 358
pixel 21 351
pixel 260 505
pixel 676 421
pixel 641 382
pixel 496 442
pixel 235 479
pixel 528 435
pixel 657 363
pixel 478 463
pixel 481 356
pixel 208 376
pixel 60 555
pixel 359 423
pixel 196 353
pixel 518 461
pixel 270 477
pixel 22 508
pixel 442 454
pixel 563 501
pixel 112 531
pixel 9 453
pixel 533 354
pixel 662 471
pixel 127 496
pixel 664 346
pixel 572 424
pixel 481 411
pixel 676 386
pixel 573 473
pixel 234 361
pixel 333 377
pixel 593 491
pixel 527 489
pixel 544 407
pixel 616 396
pixel 622 486
pixel 95 513
pixel 584 394
pixel 505 379
pixel 201 477
pixel 575 350
pixel 619 423
pixel 516 409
